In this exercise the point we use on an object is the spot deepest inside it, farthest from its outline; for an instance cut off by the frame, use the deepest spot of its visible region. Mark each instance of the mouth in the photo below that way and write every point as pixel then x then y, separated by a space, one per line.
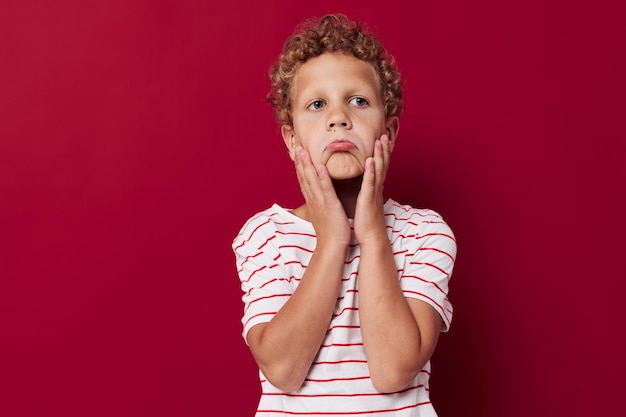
pixel 341 145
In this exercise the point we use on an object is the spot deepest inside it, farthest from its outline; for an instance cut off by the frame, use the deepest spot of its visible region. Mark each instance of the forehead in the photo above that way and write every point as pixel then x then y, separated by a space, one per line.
pixel 336 71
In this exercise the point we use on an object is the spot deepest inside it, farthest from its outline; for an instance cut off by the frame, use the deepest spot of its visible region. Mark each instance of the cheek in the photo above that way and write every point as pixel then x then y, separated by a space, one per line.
pixel 316 154
pixel 314 148
pixel 368 150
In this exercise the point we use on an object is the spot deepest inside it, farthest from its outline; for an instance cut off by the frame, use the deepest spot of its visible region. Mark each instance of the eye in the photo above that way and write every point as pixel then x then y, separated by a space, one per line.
pixel 359 101
pixel 316 105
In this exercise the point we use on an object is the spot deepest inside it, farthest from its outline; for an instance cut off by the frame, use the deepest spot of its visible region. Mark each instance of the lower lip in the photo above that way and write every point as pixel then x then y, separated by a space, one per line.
pixel 341 146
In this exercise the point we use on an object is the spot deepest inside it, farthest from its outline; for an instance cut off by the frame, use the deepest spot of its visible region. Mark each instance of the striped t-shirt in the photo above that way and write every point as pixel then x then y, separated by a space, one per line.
pixel 272 252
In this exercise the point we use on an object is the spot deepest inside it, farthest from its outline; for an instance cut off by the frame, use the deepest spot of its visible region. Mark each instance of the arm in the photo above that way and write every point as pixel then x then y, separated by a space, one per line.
pixel 285 347
pixel 399 335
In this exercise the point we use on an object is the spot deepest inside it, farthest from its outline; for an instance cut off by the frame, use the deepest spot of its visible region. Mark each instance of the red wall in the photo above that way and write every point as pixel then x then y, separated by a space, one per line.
pixel 135 141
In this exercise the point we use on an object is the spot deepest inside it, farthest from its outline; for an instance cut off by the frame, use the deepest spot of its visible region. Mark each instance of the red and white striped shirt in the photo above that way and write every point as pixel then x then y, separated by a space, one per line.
pixel 272 252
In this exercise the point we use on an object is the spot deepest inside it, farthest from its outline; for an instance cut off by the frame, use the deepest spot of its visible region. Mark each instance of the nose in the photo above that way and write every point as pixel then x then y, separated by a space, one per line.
pixel 338 117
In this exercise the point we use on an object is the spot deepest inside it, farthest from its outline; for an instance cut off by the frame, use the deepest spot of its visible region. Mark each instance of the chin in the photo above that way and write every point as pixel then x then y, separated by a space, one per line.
pixel 343 170
pixel 338 176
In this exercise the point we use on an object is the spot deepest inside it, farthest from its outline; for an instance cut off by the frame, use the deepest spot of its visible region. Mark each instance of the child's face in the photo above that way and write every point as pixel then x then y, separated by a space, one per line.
pixel 338 113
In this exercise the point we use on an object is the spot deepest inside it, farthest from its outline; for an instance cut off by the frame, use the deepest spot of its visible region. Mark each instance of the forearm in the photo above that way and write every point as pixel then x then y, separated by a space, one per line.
pixel 285 347
pixel 391 334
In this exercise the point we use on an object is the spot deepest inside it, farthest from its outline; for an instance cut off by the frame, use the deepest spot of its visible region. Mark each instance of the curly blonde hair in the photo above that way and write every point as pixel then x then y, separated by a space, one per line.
pixel 332 33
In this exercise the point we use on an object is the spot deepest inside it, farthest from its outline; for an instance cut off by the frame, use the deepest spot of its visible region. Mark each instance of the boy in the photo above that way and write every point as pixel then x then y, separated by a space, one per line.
pixel 345 296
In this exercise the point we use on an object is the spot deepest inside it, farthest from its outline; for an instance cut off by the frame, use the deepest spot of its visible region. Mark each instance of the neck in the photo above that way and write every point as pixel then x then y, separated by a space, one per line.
pixel 347 192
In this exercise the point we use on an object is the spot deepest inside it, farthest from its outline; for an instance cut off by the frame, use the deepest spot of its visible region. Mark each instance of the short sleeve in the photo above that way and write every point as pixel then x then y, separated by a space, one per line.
pixel 428 266
pixel 261 273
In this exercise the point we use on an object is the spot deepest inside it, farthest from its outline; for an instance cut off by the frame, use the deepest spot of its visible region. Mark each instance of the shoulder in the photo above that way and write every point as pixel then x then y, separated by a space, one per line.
pixel 406 216
pixel 418 227
pixel 260 223
pixel 265 224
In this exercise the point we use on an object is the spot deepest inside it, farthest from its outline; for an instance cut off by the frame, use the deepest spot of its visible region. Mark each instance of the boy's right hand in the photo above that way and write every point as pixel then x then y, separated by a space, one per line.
pixel 323 208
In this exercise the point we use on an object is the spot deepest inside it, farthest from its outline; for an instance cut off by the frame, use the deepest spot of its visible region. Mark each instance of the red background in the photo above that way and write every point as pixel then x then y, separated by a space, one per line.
pixel 135 141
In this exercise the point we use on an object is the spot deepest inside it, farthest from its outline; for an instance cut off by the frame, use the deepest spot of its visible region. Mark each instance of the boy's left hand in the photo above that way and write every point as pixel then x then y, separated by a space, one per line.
pixel 369 215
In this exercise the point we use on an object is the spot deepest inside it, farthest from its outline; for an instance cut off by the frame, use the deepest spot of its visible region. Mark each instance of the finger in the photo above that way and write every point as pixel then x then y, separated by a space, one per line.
pixel 386 152
pixel 379 164
pixel 325 182
pixel 308 174
pixel 368 184
pixel 379 158
pixel 301 174
pixel 298 165
pixel 386 155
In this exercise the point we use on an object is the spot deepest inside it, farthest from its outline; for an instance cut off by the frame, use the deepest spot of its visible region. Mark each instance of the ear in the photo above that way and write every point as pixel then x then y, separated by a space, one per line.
pixel 393 126
pixel 289 137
